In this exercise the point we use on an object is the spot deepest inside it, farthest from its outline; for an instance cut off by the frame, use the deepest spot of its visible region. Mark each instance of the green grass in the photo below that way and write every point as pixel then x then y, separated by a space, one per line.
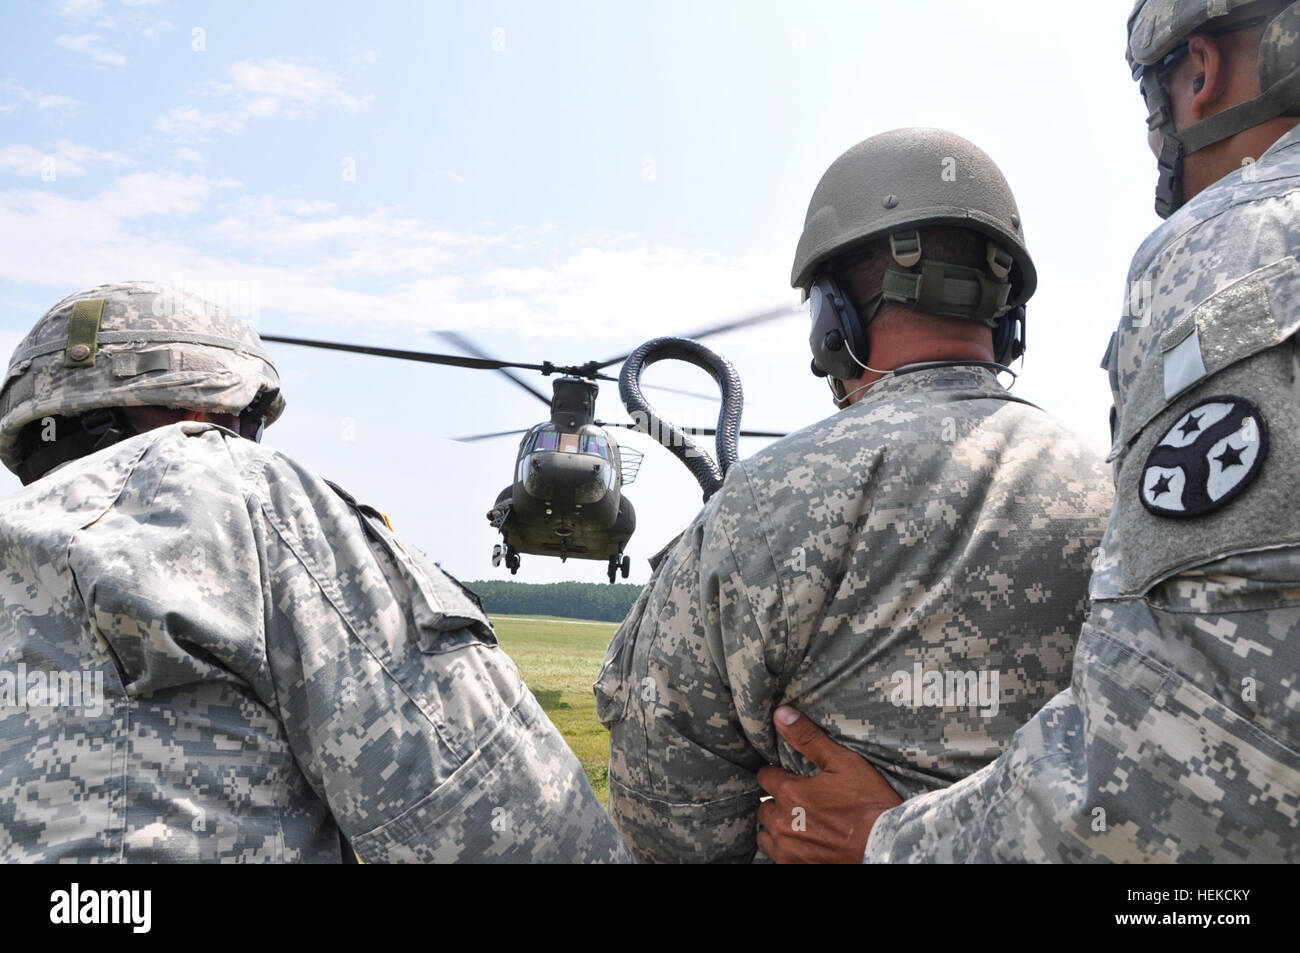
pixel 559 659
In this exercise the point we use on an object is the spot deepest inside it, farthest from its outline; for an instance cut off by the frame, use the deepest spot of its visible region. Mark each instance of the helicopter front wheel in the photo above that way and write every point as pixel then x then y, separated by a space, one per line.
pixel 512 561
pixel 497 554
pixel 625 567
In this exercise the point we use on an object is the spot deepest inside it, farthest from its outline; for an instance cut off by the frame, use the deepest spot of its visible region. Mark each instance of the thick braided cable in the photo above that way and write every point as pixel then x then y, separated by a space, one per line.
pixel 706 472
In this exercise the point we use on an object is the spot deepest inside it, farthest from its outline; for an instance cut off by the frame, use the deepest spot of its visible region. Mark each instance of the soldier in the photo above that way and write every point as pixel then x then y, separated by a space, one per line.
pixel 908 571
pixel 1181 738
pixel 210 654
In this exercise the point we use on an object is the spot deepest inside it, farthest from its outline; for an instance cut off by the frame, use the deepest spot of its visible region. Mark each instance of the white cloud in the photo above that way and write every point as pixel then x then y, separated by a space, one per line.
pixel 92 45
pixel 78 9
pixel 309 260
pixel 280 88
pixel 186 122
pixel 190 155
pixel 66 159
pixel 136 228
pixel 43 102
pixel 25 160
pixel 149 27
pixel 264 89
pixel 165 194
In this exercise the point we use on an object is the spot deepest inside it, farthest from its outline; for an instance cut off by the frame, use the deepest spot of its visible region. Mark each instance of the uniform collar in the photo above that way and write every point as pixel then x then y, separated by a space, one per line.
pixel 1289 141
pixel 918 378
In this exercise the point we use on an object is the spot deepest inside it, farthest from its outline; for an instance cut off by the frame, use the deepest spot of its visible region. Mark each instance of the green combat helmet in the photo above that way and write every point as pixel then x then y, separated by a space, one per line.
pixel 1158 31
pixel 124 345
pixel 889 187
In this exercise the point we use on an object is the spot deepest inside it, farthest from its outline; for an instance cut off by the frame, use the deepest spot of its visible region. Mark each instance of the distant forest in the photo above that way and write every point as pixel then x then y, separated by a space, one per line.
pixel 598 601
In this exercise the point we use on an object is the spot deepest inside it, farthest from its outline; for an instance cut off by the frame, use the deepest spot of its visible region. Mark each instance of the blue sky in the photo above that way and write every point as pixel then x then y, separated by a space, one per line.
pixel 558 180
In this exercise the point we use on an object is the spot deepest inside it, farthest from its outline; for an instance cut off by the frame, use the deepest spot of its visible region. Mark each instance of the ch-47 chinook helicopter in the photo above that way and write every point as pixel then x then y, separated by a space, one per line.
pixel 566 496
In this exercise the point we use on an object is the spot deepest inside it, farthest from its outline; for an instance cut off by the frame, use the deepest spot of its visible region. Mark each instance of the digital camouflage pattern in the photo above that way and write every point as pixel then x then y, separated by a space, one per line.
pixel 155 345
pixel 939 525
pixel 275 667
pixel 1157 27
pixel 1180 738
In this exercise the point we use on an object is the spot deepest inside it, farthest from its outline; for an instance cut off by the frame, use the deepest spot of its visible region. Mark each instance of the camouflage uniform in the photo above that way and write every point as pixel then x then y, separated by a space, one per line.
pixel 939 525
pixel 276 667
pixel 1180 738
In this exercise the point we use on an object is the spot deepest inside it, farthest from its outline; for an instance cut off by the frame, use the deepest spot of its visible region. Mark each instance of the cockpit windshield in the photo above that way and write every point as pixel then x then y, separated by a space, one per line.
pixel 548 439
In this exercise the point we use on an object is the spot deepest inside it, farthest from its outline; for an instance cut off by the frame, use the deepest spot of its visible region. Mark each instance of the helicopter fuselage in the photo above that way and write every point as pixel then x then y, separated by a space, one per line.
pixel 566 498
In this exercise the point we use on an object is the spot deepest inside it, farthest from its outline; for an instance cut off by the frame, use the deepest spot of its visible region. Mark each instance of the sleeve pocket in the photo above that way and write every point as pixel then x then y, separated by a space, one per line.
pixel 1231 325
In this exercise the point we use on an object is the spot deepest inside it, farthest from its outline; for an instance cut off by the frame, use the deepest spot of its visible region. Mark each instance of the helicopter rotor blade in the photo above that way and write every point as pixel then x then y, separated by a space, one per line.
pixel 745 322
pixel 466 345
pixel 427 357
pixel 489 436
pixel 479 362
pixel 469 347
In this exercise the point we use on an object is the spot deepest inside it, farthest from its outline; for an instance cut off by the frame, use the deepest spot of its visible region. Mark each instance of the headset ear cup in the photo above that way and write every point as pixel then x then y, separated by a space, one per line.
pixel 837 334
pixel 1009 337
pixel 1000 339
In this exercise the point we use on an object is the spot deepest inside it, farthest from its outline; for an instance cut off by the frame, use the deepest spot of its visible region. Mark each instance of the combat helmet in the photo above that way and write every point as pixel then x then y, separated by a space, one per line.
pixel 1158 33
pixel 886 189
pixel 123 345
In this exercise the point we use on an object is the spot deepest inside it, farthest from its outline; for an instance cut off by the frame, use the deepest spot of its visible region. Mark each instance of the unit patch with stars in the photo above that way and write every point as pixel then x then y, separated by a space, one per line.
pixel 1208 457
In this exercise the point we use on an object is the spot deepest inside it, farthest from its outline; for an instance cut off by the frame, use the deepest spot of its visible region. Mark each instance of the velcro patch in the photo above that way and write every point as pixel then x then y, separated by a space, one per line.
pixel 1209 457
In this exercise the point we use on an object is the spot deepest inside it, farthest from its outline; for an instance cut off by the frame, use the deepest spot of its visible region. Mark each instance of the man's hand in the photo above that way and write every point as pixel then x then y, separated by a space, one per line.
pixel 825 819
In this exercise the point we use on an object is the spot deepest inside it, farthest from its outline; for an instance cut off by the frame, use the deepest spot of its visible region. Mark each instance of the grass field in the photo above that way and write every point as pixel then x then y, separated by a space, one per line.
pixel 559 659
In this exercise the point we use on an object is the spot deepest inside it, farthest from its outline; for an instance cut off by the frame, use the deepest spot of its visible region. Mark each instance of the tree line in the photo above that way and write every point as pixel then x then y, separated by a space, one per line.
pixel 597 601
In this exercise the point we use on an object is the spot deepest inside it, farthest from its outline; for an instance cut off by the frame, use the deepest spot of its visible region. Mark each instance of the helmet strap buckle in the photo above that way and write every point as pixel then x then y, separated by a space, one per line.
pixel 999 262
pixel 905 247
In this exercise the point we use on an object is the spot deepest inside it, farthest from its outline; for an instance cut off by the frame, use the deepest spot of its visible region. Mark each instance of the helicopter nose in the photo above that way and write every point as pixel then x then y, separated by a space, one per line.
pixel 562 476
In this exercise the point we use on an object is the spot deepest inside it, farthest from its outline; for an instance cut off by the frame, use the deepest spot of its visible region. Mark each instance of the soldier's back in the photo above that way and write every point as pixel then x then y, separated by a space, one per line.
pixel 275 667
pixel 931 546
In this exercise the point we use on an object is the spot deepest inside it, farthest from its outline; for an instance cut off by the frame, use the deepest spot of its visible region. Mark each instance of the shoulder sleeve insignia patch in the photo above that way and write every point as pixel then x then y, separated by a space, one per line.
pixel 1210 455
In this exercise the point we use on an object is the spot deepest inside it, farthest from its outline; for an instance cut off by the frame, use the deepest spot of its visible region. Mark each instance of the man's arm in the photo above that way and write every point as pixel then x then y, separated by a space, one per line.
pixel 404 714
pixel 687 691
pixel 831 817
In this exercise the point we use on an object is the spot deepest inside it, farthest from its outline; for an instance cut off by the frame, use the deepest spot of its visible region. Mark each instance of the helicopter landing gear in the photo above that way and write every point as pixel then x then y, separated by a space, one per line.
pixel 619 563
pixel 511 557
pixel 512 562
pixel 497 554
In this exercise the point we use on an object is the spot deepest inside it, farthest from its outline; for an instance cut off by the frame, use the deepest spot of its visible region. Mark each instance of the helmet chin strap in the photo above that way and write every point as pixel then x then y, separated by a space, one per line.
pixel 90 433
pixel 1177 144
pixel 1169 187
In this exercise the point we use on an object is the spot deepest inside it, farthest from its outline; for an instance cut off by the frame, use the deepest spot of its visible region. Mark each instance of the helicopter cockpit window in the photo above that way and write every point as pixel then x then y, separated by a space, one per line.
pixel 596 445
pixel 547 439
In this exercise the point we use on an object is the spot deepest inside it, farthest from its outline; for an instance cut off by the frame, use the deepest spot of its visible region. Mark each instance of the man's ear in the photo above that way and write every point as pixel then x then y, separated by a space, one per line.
pixel 1209 75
